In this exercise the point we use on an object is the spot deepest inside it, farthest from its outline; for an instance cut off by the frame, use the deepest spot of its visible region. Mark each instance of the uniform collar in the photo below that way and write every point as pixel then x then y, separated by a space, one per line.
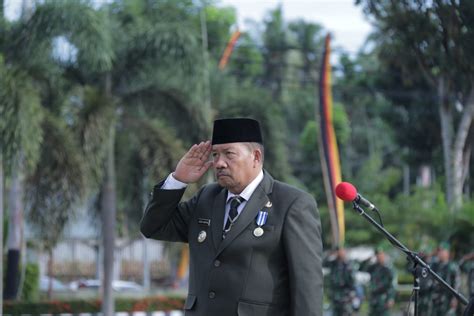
pixel 249 189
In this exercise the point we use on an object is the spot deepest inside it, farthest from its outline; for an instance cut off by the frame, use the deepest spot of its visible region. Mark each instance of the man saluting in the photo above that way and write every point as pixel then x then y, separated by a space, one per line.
pixel 255 243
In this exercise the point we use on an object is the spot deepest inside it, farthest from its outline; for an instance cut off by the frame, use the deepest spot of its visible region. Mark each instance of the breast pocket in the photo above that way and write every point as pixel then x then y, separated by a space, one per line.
pixel 246 308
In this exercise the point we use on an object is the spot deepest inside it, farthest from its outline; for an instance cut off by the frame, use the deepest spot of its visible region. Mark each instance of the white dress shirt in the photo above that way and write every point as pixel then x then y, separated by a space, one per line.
pixel 172 184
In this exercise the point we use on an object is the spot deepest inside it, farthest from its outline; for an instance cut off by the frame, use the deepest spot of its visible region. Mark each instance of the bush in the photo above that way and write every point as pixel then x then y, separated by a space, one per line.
pixel 30 290
pixel 155 303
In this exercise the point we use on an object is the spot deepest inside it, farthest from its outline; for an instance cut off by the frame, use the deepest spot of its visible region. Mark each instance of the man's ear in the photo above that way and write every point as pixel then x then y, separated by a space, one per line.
pixel 257 157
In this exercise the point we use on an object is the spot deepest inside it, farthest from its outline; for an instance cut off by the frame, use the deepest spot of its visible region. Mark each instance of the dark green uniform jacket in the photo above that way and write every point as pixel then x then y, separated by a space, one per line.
pixel 276 274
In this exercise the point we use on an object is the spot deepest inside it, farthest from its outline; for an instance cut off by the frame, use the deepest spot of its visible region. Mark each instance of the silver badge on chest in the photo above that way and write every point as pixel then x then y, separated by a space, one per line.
pixel 258 232
pixel 202 236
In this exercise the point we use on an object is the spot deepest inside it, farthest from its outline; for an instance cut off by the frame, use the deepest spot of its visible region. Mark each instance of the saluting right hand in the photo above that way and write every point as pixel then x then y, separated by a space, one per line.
pixel 194 163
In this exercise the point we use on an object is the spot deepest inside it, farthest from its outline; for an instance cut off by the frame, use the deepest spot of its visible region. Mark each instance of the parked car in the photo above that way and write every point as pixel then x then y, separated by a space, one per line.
pixel 117 285
pixel 57 285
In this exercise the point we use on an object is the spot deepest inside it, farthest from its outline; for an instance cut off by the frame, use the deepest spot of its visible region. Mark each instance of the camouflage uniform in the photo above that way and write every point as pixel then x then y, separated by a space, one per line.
pixel 426 285
pixel 424 301
pixel 381 288
pixel 467 266
pixel 342 287
pixel 441 297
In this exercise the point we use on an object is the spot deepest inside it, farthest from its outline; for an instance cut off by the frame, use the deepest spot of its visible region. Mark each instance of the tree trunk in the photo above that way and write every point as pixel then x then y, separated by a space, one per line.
pixel 406 179
pixel 2 8
pixel 459 152
pixel 145 260
pixel 108 211
pixel 466 170
pixel 98 257
pixel 424 176
pixel 15 227
pixel 446 119
pixel 1 210
pixel 50 274
pixel 205 53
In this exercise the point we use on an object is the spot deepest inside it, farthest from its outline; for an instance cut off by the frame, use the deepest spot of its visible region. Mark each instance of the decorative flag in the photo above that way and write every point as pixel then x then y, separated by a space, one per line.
pixel 228 50
pixel 328 151
pixel 182 271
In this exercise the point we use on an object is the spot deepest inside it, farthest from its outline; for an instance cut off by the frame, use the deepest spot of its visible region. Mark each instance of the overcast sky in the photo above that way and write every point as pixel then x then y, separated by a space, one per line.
pixel 342 18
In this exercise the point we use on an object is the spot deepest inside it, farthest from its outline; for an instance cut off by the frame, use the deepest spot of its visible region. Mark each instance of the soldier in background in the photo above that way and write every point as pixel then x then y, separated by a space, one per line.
pixel 444 303
pixel 341 283
pixel 381 286
pixel 466 265
pixel 426 283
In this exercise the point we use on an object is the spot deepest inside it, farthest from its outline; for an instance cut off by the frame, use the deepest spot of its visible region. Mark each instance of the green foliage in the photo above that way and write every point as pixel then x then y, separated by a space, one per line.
pixel 160 63
pixel 150 41
pixel 139 66
pixel 91 122
pixel 219 22
pixel 462 236
pixel 419 220
pixel 379 188
pixel 308 40
pixel 275 41
pixel 422 214
pixel 20 117
pixel 83 26
pixel 56 186
pixel 310 173
pixel 155 303
pixel 154 152
pixel 387 177
pixel 370 131
pixel 427 46
pixel 30 289
pixel 341 124
pixel 246 62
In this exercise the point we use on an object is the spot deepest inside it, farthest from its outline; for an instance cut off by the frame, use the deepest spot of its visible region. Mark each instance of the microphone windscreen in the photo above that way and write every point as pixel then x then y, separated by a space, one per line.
pixel 346 191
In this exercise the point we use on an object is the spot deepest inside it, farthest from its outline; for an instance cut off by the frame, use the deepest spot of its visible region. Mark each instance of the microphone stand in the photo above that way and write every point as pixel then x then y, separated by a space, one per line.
pixel 417 262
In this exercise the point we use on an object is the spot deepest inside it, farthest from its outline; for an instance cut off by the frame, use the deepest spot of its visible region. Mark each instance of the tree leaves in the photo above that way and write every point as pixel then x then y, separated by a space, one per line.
pixel 57 185
pixel 20 117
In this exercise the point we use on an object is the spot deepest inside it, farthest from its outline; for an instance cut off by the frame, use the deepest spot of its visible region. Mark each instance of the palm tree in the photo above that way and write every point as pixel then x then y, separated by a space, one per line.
pixel 20 131
pixel 35 73
pixel 56 186
pixel 156 76
pixel 308 40
pixel 275 41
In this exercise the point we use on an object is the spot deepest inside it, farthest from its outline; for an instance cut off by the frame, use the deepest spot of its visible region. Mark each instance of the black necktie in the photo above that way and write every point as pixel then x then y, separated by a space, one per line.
pixel 233 213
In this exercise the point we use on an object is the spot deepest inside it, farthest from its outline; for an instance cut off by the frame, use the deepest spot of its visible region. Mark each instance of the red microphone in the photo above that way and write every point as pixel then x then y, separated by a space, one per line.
pixel 347 192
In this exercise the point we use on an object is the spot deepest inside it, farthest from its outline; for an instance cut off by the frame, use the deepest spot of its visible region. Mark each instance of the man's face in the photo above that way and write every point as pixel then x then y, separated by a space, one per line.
pixel 341 254
pixel 381 257
pixel 443 255
pixel 235 165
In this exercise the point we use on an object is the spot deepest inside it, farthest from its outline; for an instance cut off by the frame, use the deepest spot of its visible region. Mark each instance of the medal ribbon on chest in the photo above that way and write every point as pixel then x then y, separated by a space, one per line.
pixel 261 220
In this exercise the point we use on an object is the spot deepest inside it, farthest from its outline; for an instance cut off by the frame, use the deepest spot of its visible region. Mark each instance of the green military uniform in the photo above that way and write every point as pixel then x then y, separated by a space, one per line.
pixel 441 297
pixel 426 285
pixel 467 266
pixel 342 287
pixel 381 288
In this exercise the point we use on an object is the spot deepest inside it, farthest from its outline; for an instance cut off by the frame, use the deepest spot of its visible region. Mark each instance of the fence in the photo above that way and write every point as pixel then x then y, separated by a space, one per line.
pixel 135 260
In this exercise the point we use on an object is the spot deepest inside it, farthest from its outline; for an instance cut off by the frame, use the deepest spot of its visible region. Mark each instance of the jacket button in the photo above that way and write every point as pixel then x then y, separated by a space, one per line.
pixel 217 263
pixel 212 294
